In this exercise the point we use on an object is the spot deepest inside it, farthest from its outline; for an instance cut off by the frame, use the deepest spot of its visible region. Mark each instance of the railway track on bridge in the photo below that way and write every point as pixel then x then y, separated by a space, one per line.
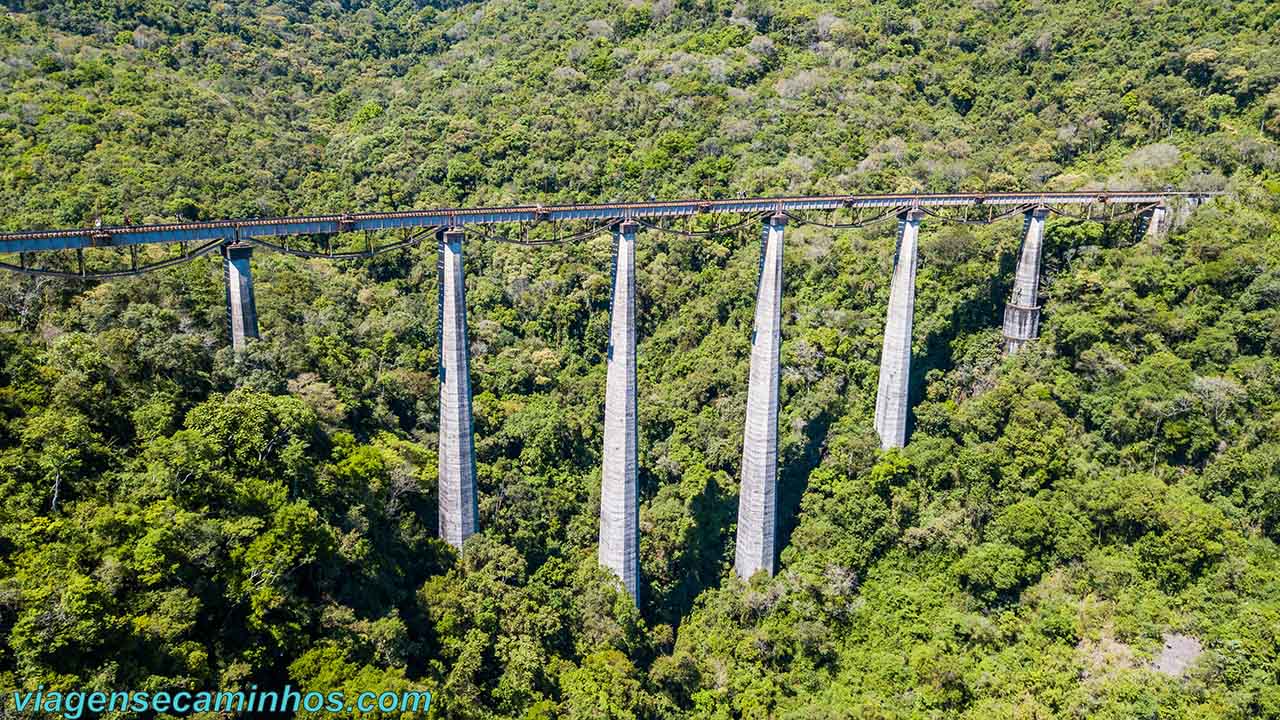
pixel 248 229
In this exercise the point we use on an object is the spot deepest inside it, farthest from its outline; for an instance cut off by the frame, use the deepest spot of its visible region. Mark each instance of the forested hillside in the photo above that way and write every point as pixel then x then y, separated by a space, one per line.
pixel 171 518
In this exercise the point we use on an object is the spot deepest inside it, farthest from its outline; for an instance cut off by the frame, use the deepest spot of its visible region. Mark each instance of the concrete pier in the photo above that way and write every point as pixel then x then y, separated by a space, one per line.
pixel 458 511
pixel 1022 312
pixel 895 355
pixel 242 311
pixel 619 487
pixel 1158 220
pixel 757 497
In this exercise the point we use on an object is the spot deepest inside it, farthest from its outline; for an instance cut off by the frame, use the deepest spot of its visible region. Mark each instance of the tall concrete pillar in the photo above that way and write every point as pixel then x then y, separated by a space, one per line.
pixel 1181 211
pixel 1022 312
pixel 619 488
pixel 459 516
pixel 895 355
pixel 1157 221
pixel 757 497
pixel 242 312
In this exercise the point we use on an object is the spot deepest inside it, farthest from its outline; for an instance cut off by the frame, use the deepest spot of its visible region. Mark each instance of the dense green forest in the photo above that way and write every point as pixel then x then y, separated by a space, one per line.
pixel 172 518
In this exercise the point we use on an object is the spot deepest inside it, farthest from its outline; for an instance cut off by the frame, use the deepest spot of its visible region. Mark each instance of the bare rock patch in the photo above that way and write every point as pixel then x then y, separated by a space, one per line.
pixel 1179 653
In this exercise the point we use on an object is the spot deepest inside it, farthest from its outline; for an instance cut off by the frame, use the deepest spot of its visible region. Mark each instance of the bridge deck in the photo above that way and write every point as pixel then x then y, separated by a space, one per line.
pixel 244 229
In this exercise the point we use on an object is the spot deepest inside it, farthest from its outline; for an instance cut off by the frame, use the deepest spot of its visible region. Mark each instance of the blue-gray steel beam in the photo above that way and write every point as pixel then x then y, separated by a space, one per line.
pixel 459 515
pixel 43 240
pixel 619 483
pixel 757 494
pixel 242 310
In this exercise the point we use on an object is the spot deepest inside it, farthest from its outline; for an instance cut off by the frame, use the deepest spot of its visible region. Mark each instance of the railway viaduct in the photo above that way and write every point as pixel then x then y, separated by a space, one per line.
pixel 757 526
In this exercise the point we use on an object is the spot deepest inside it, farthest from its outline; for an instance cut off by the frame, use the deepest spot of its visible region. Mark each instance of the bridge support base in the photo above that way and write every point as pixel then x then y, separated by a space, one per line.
pixel 457 470
pixel 895 355
pixel 757 498
pixel 242 311
pixel 619 487
pixel 1022 312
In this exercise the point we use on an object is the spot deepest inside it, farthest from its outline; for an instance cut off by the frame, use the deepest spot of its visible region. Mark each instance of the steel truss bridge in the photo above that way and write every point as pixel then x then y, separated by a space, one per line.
pixel 562 223
pixel 540 225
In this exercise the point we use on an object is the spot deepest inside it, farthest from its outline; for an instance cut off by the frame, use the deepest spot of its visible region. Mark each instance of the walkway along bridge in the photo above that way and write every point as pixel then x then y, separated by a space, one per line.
pixel 619 501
